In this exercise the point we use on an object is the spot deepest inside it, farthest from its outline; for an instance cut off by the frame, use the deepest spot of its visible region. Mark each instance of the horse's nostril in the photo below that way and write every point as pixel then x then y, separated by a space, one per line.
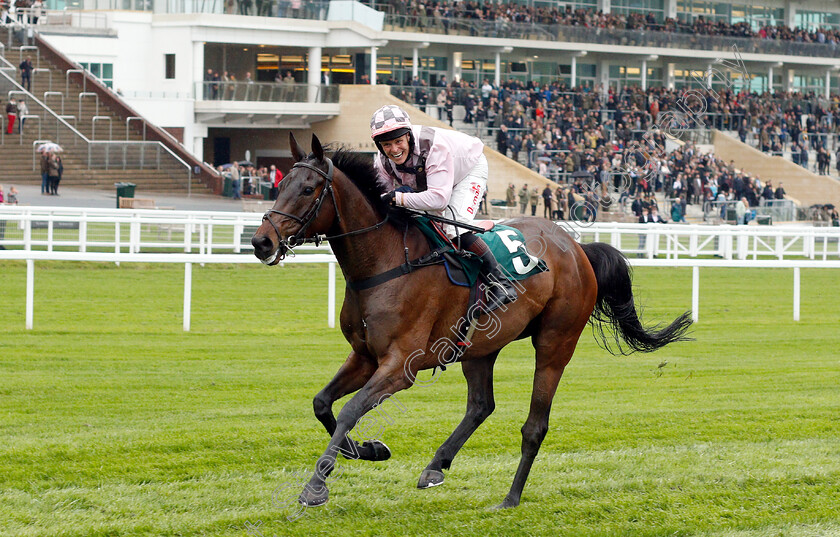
pixel 261 244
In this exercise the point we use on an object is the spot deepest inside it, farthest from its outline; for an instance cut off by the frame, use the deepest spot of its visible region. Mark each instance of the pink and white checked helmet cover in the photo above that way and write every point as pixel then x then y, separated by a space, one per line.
pixel 388 118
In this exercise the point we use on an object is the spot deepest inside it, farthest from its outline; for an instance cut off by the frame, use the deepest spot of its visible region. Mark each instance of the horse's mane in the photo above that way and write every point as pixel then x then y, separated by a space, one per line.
pixel 358 167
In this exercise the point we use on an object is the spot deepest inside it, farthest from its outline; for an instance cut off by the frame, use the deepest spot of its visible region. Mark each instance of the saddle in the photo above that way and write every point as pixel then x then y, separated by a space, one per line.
pixel 463 268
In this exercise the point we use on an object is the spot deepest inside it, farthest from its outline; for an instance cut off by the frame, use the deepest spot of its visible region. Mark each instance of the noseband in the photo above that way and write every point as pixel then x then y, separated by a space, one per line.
pixel 306 220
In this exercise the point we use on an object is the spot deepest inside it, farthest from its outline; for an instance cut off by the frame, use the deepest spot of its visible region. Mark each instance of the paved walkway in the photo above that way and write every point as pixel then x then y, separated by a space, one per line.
pixel 83 197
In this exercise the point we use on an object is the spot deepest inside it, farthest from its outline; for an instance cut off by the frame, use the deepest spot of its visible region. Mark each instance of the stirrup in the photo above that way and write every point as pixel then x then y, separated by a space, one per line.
pixel 499 294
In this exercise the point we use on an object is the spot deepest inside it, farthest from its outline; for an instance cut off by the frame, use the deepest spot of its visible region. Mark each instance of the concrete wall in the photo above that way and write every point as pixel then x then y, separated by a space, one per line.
pixel 805 187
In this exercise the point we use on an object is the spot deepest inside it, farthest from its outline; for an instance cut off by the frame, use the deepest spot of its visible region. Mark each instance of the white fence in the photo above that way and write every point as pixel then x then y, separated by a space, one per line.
pixel 120 235
pixel 143 230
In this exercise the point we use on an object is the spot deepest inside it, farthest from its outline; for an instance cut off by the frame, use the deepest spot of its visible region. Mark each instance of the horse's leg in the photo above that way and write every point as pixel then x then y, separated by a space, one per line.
pixel 351 376
pixel 551 361
pixel 388 379
pixel 480 404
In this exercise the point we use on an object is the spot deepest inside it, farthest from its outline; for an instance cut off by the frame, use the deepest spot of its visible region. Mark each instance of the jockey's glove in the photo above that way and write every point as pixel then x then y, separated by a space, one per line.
pixel 391 197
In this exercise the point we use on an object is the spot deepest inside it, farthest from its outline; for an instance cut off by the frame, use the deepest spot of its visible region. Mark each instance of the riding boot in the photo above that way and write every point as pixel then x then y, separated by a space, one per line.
pixel 499 289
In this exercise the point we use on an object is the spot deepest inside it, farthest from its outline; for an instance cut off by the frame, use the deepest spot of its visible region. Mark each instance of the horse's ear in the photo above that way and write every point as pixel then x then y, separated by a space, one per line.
pixel 297 152
pixel 317 150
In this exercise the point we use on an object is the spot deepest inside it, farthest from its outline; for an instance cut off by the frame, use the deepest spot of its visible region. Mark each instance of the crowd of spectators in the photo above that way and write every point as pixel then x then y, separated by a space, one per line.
pixel 559 130
pixel 441 13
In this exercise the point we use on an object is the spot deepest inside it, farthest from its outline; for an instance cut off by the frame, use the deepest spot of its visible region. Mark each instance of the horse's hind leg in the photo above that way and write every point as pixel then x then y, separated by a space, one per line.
pixel 551 361
pixel 352 375
pixel 480 404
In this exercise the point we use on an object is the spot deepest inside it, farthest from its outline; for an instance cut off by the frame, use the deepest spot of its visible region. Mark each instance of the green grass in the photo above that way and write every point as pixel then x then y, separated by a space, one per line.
pixel 114 421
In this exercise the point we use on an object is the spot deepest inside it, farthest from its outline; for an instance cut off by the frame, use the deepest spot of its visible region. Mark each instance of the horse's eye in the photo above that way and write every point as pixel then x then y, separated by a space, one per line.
pixel 308 190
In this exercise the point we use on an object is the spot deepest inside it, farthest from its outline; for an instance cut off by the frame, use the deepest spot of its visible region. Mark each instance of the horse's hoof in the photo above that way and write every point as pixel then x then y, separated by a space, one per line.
pixel 373 451
pixel 309 498
pixel 430 478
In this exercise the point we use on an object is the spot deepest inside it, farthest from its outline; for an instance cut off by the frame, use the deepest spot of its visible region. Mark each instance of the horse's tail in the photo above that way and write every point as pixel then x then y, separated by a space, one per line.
pixel 615 307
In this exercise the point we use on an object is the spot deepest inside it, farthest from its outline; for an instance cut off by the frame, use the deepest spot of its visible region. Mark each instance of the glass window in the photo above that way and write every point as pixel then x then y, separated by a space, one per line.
pixel 811 20
pixel 624 7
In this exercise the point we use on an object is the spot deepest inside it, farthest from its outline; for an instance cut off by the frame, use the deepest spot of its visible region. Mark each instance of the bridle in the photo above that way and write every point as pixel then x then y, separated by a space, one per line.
pixel 312 213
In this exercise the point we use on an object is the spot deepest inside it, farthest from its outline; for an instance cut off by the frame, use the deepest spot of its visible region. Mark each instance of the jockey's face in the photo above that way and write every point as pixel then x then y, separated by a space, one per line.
pixel 396 149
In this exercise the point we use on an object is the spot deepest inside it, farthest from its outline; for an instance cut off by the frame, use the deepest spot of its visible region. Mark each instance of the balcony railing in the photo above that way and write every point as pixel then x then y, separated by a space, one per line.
pixel 265 92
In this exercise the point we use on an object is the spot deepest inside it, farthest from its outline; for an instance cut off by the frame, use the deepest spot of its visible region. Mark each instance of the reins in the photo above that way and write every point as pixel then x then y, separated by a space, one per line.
pixel 306 220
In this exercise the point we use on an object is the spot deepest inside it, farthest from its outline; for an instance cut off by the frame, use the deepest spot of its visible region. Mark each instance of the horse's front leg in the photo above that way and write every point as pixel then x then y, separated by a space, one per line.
pixel 352 375
pixel 388 379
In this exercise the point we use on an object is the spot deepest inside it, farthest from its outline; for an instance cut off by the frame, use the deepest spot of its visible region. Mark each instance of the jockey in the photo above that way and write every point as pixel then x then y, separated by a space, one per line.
pixel 439 171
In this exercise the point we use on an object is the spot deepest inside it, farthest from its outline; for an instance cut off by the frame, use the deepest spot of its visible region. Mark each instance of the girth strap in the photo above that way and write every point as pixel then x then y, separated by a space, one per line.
pixel 435 257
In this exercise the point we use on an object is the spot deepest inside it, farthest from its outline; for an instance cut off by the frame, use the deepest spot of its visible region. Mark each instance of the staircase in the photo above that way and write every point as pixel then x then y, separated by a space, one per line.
pixel 97 165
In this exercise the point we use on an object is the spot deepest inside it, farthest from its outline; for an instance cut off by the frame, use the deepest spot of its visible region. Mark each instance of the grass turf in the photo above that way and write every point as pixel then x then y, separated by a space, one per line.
pixel 115 422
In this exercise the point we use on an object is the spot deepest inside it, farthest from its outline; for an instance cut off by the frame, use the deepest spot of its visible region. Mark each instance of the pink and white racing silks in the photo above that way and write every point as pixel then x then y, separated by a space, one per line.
pixel 451 158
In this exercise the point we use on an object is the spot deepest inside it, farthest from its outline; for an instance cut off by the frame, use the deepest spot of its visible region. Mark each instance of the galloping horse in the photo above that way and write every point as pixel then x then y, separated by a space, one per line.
pixel 392 327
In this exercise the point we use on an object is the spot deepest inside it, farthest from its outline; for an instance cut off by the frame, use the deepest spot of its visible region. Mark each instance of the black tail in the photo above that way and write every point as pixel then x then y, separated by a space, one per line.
pixel 615 306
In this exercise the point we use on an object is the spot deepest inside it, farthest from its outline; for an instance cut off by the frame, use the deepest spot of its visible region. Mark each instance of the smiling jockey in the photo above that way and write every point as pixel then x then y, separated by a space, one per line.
pixel 439 171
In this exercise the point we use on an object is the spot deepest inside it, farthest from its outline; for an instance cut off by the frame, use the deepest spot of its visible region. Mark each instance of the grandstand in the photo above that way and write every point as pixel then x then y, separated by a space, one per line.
pixel 632 92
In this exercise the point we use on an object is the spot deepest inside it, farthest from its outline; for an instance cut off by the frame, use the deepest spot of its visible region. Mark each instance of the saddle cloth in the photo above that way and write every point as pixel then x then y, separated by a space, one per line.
pixel 507 244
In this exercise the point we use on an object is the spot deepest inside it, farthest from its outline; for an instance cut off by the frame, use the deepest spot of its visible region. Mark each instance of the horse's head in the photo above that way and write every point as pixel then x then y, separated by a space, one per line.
pixel 298 213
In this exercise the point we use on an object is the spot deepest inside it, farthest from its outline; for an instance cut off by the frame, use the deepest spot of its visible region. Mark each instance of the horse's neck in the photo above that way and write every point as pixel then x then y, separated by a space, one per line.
pixel 366 254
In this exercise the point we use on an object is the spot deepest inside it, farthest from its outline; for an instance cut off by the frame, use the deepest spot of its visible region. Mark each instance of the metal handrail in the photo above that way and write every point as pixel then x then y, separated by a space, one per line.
pixel 85 139
pixel 48 93
pixel 84 94
pixel 20 125
pixel 67 74
pixel 128 121
pixel 93 121
pixel 44 70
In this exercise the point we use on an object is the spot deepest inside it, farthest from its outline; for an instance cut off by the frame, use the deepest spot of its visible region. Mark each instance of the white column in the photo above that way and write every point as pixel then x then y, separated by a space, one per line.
pixel 198 69
pixel 770 79
pixel 415 63
pixel 198 147
pixel 604 5
pixel 671 9
pixel 790 14
pixel 709 71
pixel 373 66
pixel 644 75
pixel 604 76
pixel 314 73
pixel 669 76
pixel 456 59
pixel 827 83
pixel 574 71
pixel 497 80
pixel 787 83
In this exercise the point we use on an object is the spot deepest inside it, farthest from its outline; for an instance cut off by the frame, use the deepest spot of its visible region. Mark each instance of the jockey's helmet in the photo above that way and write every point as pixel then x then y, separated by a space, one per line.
pixel 388 123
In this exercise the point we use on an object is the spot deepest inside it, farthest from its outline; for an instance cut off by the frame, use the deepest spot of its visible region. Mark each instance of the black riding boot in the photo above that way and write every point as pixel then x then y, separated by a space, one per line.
pixel 499 289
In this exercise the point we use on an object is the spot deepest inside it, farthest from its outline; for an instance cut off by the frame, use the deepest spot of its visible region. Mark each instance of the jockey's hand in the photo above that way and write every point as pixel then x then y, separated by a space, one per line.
pixel 391 197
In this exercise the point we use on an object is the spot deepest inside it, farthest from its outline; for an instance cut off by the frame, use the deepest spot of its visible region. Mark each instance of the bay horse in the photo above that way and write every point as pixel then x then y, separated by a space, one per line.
pixel 392 327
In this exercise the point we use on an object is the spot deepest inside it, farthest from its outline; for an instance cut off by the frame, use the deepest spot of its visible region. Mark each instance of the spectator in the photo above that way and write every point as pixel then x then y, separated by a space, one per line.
pixel 56 169
pixel 547 197
pixel 510 200
pixel 274 177
pixel 11 115
pixel 26 73
pixel 535 199
pixel 23 111
pixel 45 175
pixel 524 198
